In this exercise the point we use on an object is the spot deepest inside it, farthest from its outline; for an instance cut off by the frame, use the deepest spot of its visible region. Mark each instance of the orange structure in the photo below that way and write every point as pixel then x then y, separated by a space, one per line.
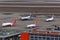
pixel 45 32
pixel 24 36
pixel 54 32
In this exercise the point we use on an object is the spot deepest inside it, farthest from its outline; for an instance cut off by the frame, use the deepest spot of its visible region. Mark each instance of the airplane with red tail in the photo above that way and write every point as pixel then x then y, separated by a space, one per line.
pixel 33 25
pixel 9 23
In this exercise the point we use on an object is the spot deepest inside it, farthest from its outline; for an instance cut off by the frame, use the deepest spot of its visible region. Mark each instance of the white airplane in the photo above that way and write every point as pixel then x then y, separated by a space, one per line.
pixel 9 23
pixel 50 19
pixel 33 25
pixel 26 18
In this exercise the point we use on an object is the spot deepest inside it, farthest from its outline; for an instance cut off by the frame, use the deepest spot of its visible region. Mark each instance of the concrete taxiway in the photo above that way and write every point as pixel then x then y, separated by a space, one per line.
pixel 21 25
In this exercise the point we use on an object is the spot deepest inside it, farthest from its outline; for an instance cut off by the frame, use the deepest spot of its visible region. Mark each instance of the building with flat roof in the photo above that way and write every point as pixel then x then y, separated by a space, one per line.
pixel 9 34
pixel 40 35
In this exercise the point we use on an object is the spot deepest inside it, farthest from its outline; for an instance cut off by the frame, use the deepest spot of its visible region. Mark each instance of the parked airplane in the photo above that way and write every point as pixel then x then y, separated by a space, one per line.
pixel 26 18
pixel 33 25
pixel 50 19
pixel 9 23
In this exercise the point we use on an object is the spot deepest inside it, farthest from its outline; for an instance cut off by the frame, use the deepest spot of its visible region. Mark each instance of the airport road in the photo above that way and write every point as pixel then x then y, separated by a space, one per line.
pixel 21 25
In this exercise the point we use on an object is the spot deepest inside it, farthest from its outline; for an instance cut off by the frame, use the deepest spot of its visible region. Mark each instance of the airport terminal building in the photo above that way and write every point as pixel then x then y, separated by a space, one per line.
pixel 31 35
pixel 40 35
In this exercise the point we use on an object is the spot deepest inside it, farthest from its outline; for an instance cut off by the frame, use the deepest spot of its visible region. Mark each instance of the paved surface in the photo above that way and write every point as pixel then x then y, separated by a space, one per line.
pixel 29 0
pixel 21 25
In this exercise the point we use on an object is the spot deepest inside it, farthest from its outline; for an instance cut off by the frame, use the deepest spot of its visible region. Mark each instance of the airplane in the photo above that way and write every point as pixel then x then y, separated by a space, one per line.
pixel 9 23
pixel 26 18
pixel 33 25
pixel 50 19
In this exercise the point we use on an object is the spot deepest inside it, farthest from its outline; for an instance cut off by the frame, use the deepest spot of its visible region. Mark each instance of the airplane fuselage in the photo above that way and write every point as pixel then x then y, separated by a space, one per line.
pixel 31 26
pixel 7 24
pixel 49 19
pixel 26 18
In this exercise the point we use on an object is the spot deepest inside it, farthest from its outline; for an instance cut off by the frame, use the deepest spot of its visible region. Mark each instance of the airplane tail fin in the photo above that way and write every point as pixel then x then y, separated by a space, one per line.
pixel 52 16
pixel 14 21
pixel 36 22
